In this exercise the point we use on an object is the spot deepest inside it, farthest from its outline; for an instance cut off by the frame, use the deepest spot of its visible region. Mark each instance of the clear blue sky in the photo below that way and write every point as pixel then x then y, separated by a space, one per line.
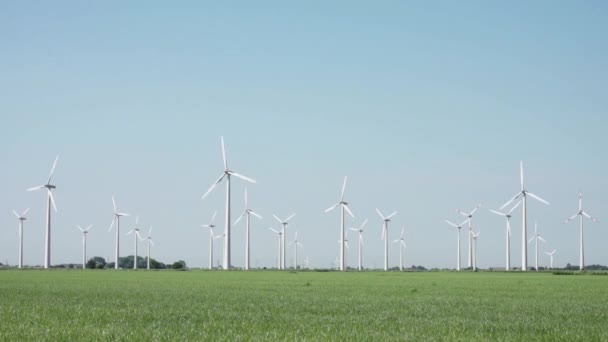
pixel 427 108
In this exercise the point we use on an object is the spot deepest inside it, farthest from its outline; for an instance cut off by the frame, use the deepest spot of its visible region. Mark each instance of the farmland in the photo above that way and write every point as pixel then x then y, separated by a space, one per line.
pixel 265 305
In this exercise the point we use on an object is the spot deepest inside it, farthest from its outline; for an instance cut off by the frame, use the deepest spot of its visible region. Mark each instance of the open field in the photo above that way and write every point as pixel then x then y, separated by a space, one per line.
pixel 202 305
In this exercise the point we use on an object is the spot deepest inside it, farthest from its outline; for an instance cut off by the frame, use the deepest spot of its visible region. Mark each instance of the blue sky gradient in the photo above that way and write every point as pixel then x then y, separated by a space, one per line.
pixel 426 107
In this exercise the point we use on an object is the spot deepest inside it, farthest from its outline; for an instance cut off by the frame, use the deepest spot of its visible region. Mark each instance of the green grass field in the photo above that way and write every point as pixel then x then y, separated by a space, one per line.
pixel 201 305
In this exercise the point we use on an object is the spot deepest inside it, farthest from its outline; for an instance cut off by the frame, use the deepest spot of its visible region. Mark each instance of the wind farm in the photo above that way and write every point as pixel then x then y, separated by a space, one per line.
pixel 361 171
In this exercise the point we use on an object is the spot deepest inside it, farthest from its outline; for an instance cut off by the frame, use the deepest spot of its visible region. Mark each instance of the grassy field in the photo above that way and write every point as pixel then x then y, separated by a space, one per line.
pixel 201 305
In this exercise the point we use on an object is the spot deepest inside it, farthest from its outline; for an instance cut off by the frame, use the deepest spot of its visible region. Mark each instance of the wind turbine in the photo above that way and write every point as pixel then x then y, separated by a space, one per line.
pixel 551 256
pixel 50 201
pixel 149 238
pixel 247 212
pixel 295 244
pixel 581 213
pixel 307 263
pixel 524 227
pixel 475 236
pixel 284 224
pixel 535 238
pixel 386 220
pixel 401 242
pixel 507 215
pixel 223 235
pixel 136 236
pixel 280 249
pixel 211 226
pixel 469 215
pixel 226 173
pixel 458 227
pixel 116 219
pixel 343 206
pixel 360 230
pixel 21 219
pixel 84 244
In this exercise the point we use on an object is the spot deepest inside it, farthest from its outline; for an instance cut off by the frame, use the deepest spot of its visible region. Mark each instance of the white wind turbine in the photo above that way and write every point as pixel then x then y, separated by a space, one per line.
pixel 84 244
pixel 536 238
pixel 21 219
pixel 469 215
pixel 401 242
pixel 524 227
pixel 247 212
pixel 475 236
pixel 284 224
pixel 343 206
pixel 149 238
pixel 211 226
pixel 116 219
pixel 458 228
pixel 360 230
pixel 386 220
pixel 508 216
pixel 582 214
pixel 136 237
pixel 223 235
pixel 551 256
pixel 50 201
pixel 227 173
pixel 295 244
pixel 280 247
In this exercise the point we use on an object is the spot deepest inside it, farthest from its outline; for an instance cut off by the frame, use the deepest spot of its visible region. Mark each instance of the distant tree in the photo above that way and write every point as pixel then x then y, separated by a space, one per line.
pixel 178 265
pixel 96 262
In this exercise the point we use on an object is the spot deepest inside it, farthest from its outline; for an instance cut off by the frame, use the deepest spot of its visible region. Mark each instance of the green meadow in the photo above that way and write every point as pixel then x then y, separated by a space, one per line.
pixel 69 305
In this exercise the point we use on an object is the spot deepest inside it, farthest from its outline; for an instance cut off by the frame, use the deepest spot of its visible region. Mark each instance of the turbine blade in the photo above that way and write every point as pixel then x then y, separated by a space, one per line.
pixel 130 231
pixel 379 213
pixel 89 227
pixel 464 222
pixel 343 188
pixel 290 217
pixel 498 212
pixel 541 239
pixel 510 201
pixel 239 218
pixel 475 209
pixel 276 231
pixel 514 207
pixel 451 224
pixel 589 216
pixel 391 215
pixel 16 215
pixel 79 228
pixel 214 185
pixel 114 204
pixel 331 208
pixel 150 231
pixel 521 174
pixel 25 212
pixel 277 218
pixel 52 199
pixel 299 244
pixel 355 229
pixel 363 225
pixel 532 239
pixel 462 213
pixel 537 198
pixel 242 177
pixel 52 169
pixel 35 188
pixel 151 242
pixel 213 217
pixel 112 225
pixel 349 212
pixel 224 154
pixel 255 214
pixel 571 218
pixel 246 202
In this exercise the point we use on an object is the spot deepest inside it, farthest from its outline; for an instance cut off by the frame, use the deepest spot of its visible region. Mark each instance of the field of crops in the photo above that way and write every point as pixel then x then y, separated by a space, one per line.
pixel 215 305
